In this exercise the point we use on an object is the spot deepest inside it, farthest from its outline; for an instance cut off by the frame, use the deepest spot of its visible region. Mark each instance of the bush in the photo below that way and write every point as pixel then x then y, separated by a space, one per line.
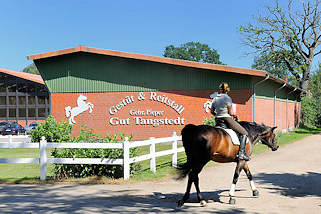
pixel 209 121
pixel 85 170
pixel 60 132
pixel 311 105
pixel 52 131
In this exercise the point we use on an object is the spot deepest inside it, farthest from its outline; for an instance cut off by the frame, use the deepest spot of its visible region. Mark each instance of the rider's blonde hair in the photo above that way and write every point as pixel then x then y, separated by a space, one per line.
pixel 224 87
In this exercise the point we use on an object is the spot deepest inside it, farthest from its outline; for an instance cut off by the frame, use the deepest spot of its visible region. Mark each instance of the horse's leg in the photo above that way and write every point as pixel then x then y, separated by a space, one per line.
pixel 238 169
pixel 193 177
pixel 249 176
pixel 72 119
pixel 196 183
pixel 187 192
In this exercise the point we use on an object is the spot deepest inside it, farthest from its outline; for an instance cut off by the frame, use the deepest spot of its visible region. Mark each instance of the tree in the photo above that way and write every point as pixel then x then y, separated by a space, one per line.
pixel 274 64
pixel 193 51
pixel 32 69
pixel 291 36
pixel 311 106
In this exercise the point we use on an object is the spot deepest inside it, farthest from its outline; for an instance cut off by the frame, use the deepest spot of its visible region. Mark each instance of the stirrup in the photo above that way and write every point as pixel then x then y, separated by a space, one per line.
pixel 242 156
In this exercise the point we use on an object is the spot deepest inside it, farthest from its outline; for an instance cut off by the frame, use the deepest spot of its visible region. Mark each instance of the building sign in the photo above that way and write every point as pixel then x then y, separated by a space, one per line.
pixel 146 115
pixel 81 107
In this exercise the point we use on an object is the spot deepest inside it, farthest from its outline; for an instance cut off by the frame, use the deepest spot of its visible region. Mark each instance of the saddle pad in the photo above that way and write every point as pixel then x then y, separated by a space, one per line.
pixel 235 139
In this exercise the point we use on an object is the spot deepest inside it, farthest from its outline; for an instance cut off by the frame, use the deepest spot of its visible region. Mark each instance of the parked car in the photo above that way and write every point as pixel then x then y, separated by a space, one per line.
pixel 3 124
pixel 3 128
pixel 12 129
pixel 31 126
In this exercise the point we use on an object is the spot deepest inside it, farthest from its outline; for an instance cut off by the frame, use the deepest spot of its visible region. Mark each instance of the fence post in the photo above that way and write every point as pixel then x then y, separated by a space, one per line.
pixel 10 140
pixel 43 158
pixel 174 147
pixel 126 166
pixel 152 153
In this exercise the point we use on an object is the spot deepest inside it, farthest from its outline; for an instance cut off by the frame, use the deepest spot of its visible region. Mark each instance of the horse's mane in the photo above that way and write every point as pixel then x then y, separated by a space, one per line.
pixel 254 129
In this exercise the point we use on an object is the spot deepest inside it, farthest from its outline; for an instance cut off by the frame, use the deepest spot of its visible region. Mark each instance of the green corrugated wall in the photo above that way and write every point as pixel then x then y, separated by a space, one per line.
pixel 267 89
pixel 87 72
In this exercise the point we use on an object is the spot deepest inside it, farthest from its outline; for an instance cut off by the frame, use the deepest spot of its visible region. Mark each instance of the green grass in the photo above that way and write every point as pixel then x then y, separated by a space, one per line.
pixel 30 173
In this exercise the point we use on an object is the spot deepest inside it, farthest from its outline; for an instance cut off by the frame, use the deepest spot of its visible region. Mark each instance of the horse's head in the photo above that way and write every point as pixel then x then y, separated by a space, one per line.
pixel 268 138
pixel 82 97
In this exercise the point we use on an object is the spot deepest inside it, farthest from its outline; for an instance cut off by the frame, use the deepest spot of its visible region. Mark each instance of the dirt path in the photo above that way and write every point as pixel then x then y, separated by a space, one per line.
pixel 289 181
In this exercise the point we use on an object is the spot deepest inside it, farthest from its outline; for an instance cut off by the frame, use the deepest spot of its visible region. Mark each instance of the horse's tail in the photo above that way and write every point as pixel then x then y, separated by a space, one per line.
pixel 188 134
pixel 67 111
pixel 183 170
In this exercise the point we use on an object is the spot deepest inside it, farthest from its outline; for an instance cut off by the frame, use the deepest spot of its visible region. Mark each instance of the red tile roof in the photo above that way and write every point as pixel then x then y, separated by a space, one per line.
pixel 32 77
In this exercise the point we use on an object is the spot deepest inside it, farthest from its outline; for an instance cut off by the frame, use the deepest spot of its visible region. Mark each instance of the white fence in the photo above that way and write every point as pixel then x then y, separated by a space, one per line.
pixel 125 145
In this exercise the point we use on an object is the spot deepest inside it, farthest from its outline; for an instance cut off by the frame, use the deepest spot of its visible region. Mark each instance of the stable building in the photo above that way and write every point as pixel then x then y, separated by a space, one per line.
pixel 24 97
pixel 148 96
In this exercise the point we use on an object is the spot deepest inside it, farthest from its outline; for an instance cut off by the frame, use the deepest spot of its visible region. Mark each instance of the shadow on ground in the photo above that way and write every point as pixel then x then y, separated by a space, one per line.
pixel 293 185
pixel 49 199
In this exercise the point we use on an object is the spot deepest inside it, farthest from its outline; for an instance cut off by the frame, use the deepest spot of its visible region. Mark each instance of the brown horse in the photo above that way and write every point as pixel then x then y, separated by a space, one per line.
pixel 204 143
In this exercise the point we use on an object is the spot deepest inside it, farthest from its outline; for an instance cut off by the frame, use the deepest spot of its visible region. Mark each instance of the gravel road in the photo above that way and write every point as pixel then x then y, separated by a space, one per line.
pixel 289 181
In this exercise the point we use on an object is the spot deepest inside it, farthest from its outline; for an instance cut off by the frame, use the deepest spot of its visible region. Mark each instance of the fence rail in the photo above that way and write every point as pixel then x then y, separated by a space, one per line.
pixel 43 145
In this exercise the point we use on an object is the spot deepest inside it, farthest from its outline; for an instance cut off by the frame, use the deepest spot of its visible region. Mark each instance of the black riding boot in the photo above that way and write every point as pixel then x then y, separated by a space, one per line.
pixel 241 154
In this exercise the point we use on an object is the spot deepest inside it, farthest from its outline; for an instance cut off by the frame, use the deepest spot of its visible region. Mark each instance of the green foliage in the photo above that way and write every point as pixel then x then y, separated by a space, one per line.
pixel 284 34
pixel 193 51
pixel 311 105
pixel 209 121
pixel 273 63
pixel 52 130
pixel 55 131
pixel 85 170
pixel 32 69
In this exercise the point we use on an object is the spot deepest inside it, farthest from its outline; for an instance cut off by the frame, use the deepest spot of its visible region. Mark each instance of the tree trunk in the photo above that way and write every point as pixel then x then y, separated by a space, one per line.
pixel 304 85
pixel 305 81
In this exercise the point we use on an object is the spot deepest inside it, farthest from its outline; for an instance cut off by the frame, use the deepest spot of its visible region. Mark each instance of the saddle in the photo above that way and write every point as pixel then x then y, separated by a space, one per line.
pixel 235 136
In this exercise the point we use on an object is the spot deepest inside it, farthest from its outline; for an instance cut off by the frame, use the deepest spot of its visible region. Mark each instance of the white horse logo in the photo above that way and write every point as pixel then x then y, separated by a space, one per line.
pixel 208 104
pixel 82 106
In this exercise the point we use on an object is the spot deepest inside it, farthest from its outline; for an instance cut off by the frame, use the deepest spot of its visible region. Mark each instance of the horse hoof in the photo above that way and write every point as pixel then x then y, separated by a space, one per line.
pixel 180 203
pixel 255 193
pixel 203 203
pixel 232 201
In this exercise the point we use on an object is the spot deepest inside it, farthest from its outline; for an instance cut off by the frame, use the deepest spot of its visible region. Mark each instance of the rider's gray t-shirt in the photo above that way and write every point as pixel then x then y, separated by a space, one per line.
pixel 220 103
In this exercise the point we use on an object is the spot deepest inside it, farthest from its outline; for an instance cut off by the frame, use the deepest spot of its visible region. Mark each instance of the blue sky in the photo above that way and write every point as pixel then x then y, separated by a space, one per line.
pixel 30 27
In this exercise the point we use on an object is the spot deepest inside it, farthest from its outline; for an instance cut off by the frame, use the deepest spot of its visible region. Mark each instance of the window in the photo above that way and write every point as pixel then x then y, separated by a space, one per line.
pixel 22 112
pixel 12 100
pixel 41 100
pixel 22 100
pixel 31 100
pixel 12 112
pixel 3 100
pixel 41 112
pixel 31 112
pixel 3 112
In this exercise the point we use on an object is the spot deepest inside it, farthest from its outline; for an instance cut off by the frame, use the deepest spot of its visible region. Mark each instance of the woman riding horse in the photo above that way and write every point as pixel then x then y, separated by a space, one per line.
pixel 223 112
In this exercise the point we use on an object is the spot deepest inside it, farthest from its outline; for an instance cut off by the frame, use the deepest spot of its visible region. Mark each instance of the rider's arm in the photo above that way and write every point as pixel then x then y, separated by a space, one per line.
pixel 229 103
pixel 230 111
